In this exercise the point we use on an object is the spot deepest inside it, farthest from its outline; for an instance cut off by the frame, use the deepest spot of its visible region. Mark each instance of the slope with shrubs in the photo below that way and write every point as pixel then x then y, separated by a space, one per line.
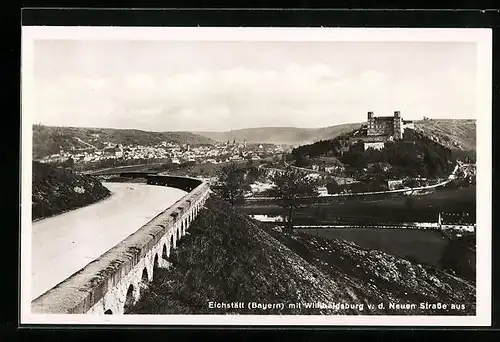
pixel 56 190
pixel 454 134
pixel 226 257
pixel 378 277
pixel 229 257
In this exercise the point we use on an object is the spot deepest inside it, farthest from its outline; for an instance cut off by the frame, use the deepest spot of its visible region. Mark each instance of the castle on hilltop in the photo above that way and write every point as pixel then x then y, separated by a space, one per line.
pixel 381 129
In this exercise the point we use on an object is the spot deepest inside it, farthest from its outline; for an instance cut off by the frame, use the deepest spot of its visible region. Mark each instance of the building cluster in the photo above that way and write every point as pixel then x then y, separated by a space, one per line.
pixel 176 153
pixel 328 168
pixel 463 221
pixel 467 171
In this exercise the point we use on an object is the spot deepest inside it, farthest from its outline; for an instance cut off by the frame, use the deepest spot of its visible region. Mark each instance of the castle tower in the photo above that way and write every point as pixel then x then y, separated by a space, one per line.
pixel 398 125
pixel 371 124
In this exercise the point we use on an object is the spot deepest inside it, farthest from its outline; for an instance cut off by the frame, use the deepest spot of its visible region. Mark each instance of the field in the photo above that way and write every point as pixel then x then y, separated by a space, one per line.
pixel 380 209
pixel 421 246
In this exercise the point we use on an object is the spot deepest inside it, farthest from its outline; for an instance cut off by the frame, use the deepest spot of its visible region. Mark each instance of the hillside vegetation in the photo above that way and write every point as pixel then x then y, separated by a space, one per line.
pixel 453 134
pixel 56 190
pixel 228 257
pixel 49 140
pixel 414 155
pixel 377 277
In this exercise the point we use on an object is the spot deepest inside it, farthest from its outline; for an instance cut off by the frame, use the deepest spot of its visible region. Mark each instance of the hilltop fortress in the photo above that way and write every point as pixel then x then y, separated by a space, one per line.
pixel 381 129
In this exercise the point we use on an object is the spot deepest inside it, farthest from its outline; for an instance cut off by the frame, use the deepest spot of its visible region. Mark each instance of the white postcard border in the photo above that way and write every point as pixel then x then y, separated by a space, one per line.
pixel 483 39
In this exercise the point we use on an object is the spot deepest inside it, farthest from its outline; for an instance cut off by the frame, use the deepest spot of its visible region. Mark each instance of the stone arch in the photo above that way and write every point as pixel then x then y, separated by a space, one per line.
pixel 108 312
pixel 178 233
pixel 172 240
pixel 164 253
pixel 144 276
pixel 155 263
pixel 129 299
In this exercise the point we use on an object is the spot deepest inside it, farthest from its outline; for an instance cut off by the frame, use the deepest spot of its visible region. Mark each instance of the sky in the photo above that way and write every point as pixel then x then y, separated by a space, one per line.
pixel 219 86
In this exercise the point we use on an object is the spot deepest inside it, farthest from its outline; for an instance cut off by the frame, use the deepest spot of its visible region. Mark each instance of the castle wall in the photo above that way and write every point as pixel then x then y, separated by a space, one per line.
pixel 380 126
pixel 385 125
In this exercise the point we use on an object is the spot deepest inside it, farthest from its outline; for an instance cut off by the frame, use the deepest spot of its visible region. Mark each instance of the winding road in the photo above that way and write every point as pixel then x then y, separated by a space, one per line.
pixel 63 244
pixel 404 190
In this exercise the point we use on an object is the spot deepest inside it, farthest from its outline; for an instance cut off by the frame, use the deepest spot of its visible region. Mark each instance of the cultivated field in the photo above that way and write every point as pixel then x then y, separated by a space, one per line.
pixel 380 209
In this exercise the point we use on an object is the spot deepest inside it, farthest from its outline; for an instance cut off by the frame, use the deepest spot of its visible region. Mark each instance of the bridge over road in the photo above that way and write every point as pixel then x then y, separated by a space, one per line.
pixel 96 259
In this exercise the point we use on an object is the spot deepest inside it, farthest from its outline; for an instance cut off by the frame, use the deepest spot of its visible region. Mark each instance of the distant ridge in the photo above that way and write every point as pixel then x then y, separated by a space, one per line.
pixel 281 135
pixel 457 134
pixel 452 133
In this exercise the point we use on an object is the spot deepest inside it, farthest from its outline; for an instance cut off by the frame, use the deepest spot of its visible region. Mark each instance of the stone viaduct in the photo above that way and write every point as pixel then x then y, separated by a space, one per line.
pixel 113 282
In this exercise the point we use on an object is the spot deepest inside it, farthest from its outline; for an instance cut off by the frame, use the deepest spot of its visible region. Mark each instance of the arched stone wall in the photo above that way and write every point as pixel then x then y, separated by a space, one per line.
pixel 106 281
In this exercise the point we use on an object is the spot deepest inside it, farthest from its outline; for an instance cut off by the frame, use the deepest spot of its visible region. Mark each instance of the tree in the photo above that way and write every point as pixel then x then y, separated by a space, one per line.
pixel 252 175
pixel 230 184
pixel 289 186
pixel 333 186
pixel 68 163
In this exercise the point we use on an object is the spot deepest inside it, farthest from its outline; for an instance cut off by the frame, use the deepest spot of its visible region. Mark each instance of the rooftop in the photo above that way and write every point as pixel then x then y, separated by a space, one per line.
pixel 388 118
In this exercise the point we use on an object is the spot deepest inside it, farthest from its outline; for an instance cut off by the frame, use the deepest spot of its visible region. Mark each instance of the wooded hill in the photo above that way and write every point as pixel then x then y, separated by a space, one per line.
pixel 49 140
pixel 57 190
pixel 414 155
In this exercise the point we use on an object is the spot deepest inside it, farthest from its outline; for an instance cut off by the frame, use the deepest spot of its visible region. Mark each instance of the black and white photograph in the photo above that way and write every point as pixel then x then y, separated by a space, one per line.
pixel 256 176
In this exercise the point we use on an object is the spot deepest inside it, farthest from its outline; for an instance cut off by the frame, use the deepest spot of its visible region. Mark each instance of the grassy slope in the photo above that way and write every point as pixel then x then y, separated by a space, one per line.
pixel 56 190
pixel 48 140
pixel 449 132
pixel 379 277
pixel 229 257
pixel 226 257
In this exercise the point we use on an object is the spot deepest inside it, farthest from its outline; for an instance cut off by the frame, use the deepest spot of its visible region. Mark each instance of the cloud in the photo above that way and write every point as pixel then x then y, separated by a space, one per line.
pixel 300 95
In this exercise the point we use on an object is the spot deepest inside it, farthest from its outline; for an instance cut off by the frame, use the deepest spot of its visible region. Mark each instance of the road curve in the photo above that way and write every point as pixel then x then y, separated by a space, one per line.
pixel 410 190
pixel 64 244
